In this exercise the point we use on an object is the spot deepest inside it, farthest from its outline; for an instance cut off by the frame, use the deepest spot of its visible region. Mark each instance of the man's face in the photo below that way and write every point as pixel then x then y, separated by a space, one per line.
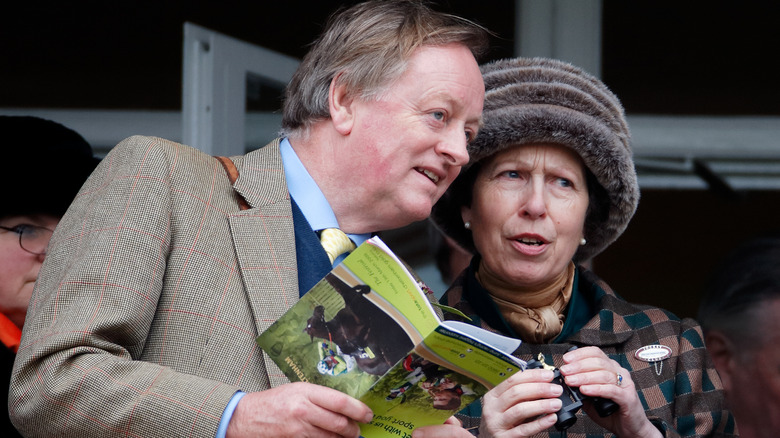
pixel 754 393
pixel 405 147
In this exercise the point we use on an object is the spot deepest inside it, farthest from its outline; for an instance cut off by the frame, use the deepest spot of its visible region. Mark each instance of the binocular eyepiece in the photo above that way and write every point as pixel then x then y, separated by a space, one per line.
pixel 572 398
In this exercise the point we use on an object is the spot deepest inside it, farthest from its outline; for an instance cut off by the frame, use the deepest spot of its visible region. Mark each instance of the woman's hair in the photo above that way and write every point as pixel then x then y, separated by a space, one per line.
pixel 741 284
pixel 365 48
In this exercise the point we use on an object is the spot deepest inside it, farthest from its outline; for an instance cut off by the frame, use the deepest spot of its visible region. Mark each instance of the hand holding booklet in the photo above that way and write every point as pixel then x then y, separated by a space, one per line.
pixel 369 329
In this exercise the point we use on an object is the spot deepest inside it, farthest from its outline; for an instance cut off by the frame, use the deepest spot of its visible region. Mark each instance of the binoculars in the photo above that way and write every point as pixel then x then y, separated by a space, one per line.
pixel 572 398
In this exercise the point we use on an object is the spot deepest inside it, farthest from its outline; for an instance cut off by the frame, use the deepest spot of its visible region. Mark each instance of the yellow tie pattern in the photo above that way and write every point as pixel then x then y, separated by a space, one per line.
pixel 335 243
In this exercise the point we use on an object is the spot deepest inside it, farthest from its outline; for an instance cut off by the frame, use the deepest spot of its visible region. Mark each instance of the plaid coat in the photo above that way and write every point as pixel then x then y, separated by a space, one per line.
pixel 682 395
pixel 144 317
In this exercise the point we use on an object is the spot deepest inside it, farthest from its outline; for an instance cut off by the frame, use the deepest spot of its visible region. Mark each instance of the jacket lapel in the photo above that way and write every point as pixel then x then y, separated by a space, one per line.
pixel 264 241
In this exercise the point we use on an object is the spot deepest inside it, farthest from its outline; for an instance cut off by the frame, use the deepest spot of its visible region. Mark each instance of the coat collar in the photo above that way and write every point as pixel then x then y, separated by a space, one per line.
pixel 609 326
pixel 261 180
pixel 264 241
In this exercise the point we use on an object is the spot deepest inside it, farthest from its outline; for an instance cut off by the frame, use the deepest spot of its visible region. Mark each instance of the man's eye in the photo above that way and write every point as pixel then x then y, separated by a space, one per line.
pixel 438 115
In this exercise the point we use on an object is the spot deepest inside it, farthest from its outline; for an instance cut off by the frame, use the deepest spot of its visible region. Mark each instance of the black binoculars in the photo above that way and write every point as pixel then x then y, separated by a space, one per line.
pixel 572 398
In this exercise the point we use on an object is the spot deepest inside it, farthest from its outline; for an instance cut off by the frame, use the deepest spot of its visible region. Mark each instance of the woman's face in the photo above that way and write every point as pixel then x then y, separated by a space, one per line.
pixel 528 212
pixel 19 268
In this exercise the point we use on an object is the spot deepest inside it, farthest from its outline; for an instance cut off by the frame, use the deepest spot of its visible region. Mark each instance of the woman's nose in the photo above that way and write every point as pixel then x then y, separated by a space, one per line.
pixel 534 205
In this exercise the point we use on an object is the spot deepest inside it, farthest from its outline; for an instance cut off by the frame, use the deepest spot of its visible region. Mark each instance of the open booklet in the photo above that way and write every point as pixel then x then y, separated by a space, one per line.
pixel 369 330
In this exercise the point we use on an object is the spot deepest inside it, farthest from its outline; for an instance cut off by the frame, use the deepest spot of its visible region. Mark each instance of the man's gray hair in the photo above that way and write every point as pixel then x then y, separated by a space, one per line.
pixel 365 48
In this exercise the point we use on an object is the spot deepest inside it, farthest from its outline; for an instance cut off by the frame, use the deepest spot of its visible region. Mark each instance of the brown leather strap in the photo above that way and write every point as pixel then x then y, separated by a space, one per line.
pixel 232 174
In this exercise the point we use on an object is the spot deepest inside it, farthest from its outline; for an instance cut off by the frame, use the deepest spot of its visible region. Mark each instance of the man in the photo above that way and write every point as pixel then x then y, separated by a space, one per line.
pixel 157 283
pixel 35 196
pixel 740 317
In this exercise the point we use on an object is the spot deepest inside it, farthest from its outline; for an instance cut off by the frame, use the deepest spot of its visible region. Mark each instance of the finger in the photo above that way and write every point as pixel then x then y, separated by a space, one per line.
pixel 340 403
pixel 589 363
pixel 337 412
pixel 596 377
pixel 446 430
pixel 582 353
pixel 454 421
pixel 330 423
pixel 623 395
pixel 522 392
pixel 521 413
pixel 536 426
pixel 527 376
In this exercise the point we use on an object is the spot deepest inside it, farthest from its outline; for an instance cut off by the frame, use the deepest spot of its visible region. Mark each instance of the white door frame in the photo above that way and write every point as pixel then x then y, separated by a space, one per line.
pixel 214 75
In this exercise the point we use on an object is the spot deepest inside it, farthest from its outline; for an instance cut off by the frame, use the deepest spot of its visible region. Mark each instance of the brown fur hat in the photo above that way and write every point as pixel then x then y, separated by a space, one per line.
pixel 539 100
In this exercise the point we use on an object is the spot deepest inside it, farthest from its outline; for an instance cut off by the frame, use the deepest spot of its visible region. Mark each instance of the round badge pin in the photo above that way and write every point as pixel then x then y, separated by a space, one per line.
pixel 654 354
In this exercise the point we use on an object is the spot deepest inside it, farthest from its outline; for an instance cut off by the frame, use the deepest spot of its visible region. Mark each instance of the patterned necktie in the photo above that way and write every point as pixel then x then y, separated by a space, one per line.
pixel 335 243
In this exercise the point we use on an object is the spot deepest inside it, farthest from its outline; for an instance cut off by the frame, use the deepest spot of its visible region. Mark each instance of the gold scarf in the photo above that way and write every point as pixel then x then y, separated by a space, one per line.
pixel 536 315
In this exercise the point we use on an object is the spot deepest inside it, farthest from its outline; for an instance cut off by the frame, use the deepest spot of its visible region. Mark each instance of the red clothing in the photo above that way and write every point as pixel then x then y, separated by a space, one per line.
pixel 10 334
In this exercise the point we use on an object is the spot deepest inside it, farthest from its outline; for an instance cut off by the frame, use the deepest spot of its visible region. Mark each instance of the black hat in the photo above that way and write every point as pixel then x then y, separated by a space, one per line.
pixel 540 100
pixel 44 166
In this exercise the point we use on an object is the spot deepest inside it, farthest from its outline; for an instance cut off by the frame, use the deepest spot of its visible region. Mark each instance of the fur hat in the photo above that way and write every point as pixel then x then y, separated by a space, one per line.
pixel 46 165
pixel 539 100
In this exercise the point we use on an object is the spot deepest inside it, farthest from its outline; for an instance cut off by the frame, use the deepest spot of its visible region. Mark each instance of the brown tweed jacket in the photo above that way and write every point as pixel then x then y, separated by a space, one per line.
pixel 144 318
pixel 682 395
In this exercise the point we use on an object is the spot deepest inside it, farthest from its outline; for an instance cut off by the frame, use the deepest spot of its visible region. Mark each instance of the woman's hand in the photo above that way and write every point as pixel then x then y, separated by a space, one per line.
pixel 452 428
pixel 596 375
pixel 522 405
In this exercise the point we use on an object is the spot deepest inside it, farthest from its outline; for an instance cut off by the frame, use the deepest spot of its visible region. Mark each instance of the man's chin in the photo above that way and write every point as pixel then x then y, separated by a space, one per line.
pixel 421 209
pixel 410 214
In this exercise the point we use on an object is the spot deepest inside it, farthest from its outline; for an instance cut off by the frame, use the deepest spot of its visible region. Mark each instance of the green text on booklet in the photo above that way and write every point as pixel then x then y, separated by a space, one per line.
pixel 368 329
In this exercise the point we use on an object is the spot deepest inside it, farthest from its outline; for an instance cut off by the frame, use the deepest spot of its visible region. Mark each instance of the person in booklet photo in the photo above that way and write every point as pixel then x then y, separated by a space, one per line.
pixel 443 389
pixel 361 330
pixel 446 393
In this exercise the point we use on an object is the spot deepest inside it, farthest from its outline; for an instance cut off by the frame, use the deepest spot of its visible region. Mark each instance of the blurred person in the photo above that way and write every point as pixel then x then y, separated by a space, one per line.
pixel 450 257
pixel 45 165
pixel 171 262
pixel 740 316
pixel 551 183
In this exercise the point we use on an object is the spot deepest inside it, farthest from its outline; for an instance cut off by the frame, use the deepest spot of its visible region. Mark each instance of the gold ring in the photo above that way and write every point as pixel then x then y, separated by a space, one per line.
pixel 619 379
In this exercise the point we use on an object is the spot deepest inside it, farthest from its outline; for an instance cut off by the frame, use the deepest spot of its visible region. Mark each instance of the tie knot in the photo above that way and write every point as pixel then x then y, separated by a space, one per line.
pixel 335 243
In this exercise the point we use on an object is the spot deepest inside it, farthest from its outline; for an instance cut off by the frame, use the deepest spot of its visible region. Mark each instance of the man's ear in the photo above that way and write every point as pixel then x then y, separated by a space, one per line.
pixel 340 105
pixel 722 352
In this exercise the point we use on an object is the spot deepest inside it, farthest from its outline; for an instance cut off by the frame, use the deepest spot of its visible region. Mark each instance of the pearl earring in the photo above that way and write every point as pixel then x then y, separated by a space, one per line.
pixel 583 241
pixel 467 225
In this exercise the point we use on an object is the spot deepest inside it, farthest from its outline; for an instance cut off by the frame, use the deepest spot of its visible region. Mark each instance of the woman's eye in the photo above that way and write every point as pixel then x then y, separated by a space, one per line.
pixel 438 115
pixel 563 182
pixel 511 174
pixel 469 136
pixel 19 229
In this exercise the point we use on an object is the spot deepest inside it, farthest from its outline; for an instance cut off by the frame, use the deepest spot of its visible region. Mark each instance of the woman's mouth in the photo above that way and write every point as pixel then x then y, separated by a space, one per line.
pixel 530 241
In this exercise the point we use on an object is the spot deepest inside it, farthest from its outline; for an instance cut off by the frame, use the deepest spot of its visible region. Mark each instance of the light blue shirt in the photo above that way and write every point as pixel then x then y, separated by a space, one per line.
pixel 318 213
pixel 308 196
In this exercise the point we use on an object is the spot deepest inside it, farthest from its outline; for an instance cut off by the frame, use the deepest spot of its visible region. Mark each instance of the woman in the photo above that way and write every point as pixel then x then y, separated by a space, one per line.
pixel 551 183
pixel 45 165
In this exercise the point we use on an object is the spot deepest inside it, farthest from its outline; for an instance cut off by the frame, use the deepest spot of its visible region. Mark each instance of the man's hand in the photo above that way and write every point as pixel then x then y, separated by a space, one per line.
pixel 298 410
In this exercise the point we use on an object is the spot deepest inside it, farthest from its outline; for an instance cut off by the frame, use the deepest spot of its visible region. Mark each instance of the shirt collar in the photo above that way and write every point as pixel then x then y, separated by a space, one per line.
pixel 307 194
